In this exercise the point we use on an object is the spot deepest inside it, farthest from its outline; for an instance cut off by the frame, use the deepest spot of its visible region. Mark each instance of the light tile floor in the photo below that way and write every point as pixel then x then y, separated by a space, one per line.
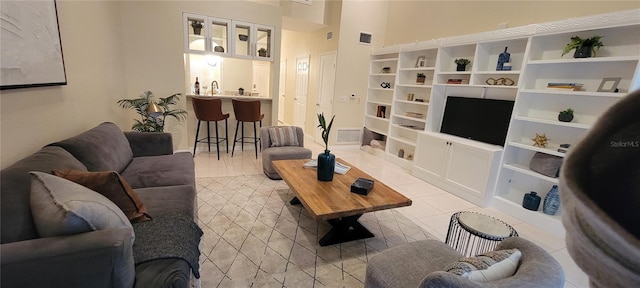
pixel 432 207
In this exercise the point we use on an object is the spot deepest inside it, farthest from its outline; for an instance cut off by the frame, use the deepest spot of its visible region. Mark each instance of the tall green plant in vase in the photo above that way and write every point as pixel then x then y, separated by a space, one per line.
pixel 326 160
pixel 153 113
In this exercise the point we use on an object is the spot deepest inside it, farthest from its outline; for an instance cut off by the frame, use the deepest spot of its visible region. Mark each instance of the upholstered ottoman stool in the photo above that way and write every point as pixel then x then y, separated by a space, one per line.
pixel 281 143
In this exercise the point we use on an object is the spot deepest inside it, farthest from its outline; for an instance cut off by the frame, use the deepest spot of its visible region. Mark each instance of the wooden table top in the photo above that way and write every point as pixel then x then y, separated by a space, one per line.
pixel 333 199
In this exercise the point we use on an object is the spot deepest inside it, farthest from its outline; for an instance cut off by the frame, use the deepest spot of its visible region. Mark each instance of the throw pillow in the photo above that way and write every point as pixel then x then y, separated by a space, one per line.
pixel 283 136
pixel 487 267
pixel 111 185
pixel 61 207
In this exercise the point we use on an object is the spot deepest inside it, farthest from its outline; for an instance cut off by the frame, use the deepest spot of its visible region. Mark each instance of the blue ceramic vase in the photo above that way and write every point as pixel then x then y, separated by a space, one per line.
pixel 551 201
pixel 326 166
pixel 504 57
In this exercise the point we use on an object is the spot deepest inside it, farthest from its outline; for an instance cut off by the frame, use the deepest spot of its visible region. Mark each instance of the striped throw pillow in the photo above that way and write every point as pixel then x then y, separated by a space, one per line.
pixel 283 136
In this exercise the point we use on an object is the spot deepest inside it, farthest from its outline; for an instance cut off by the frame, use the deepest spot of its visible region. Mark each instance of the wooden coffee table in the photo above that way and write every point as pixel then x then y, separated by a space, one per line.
pixel 333 201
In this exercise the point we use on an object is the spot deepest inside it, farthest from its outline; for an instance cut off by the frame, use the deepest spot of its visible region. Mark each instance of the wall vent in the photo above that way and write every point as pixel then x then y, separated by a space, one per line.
pixel 349 136
pixel 365 38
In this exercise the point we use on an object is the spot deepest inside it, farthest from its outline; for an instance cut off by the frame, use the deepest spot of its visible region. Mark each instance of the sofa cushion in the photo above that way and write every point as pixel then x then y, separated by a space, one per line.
pixel 283 136
pixel 103 148
pixel 486 267
pixel 169 199
pixel 15 190
pixel 111 185
pixel 157 171
pixel 61 207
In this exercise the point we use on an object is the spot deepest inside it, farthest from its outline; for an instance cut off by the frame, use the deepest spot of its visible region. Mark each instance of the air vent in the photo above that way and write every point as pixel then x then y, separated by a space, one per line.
pixel 365 38
pixel 349 135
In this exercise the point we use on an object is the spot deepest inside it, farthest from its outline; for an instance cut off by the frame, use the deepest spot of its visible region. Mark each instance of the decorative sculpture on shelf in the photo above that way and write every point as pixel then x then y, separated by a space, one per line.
pixel 540 140
pixel 504 57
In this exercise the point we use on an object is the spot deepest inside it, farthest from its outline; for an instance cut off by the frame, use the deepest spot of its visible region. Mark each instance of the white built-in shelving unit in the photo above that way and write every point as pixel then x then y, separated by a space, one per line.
pixel 491 175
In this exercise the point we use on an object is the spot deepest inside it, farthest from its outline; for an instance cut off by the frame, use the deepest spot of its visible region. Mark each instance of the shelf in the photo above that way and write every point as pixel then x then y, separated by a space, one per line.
pixel 413 102
pixel 379 103
pixel 382 74
pixel 403 140
pixel 552 122
pixel 454 73
pixel 525 170
pixel 536 149
pixel 506 72
pixel 377 131
pixel 381 89
pixel 417 129
pixel 490 86
pixel 551 223
pixel 410 118
pixel 585 60
pixel 384 60
pixel 577 93
pixel 414 85
pixel 418 69
pixel 377 118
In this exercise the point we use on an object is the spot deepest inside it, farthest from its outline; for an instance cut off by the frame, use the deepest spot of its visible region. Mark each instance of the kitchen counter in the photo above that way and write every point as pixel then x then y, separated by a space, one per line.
pixel 226 96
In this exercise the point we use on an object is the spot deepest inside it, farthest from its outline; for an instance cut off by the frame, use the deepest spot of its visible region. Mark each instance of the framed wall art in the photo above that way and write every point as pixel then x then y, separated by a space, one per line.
pixel 609 84
pixel 30 45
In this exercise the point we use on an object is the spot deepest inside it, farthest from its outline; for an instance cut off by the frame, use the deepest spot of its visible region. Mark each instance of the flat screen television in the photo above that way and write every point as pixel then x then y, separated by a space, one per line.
pixel 484 120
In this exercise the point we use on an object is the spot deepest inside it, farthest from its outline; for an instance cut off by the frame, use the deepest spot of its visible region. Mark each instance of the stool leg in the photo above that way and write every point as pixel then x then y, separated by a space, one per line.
pixel 242 137
pixel 255 140
pixel 196 142
pixel 217 141
pixel 226 134
pixel 235 137
pixel 208 137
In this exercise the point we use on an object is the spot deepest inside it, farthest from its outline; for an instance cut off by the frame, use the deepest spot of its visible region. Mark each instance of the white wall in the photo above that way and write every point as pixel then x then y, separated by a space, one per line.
pixel 93 57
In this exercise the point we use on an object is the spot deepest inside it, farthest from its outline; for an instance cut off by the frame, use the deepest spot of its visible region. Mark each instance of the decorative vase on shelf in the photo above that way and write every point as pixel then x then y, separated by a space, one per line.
pixel 504 57
pixel 461 67
pixel 531 201
pixel 551 201
pixel 326 166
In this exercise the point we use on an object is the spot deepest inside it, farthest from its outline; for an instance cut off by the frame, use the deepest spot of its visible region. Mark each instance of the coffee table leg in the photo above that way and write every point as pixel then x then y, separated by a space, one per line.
pixel 345 229
pixel 295 201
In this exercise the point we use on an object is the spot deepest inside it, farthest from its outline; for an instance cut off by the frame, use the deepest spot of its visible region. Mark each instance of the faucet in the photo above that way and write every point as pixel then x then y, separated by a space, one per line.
pixel 214 85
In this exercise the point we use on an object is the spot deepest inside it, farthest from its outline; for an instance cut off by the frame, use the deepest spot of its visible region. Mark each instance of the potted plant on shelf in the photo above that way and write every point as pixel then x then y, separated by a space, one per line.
pixel 462 64
pixel 585 48
pixel 566 115
pixel 326 160
pixel 262 52
pixel 153 113
pixel 420 78
pixel 197 27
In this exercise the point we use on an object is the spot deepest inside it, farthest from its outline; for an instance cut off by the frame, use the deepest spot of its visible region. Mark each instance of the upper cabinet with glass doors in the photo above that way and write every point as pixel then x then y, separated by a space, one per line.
pixel 207 35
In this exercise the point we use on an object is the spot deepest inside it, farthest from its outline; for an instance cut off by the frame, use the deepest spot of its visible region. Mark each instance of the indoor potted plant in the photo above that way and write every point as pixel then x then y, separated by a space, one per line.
pixel 585 48
pixel 153 113
pixel 326 160
pixel 197 27
pixel 420 78
pixel 566 115
pixel 262 52
pixel 462 64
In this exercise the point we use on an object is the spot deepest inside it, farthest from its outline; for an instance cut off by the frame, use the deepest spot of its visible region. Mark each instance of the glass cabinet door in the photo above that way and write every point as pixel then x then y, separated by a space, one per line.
pixel 264 42
pixel 196 33
pixel 219 35
pixel 242 39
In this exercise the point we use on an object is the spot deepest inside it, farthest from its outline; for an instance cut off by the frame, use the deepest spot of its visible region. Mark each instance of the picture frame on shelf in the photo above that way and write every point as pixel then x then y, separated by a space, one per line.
pixel 421 61
pixel 609 84
pixel 381 111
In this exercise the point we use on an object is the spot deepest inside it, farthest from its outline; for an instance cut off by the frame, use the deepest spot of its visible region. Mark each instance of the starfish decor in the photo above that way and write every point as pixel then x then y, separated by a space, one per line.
pixel 540 140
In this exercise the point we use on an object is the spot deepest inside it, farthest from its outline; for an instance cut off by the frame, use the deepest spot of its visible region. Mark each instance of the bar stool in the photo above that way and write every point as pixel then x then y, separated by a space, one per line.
pixel 246 111
pixel 210 109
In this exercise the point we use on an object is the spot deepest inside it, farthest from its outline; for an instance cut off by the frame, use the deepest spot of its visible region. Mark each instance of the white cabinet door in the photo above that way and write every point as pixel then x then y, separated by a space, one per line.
pixel 433 155
pixel 468 167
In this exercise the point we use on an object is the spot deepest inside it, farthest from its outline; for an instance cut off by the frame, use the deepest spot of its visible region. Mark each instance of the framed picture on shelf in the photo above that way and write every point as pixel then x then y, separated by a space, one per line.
pixel 381 111
pixel 421 61
pixel 609 84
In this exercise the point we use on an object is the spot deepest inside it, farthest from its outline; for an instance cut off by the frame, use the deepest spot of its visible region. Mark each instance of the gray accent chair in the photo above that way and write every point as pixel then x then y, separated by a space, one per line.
pixel 280 153
pixel 421 264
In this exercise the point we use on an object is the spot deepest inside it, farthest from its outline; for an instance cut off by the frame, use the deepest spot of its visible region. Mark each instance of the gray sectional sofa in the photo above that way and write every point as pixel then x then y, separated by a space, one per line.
pixel 163 180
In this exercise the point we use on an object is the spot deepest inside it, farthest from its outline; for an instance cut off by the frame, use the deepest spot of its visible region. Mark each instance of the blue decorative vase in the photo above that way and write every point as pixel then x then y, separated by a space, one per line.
pixel 531 201
pixel 551 201
pixel 504 57
pixel 326 166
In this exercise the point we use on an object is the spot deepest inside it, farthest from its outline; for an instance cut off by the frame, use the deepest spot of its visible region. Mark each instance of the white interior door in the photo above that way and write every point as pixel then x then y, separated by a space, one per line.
pixel 261 76
pixel 302 89
pixel 282 89
pixel 325 95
